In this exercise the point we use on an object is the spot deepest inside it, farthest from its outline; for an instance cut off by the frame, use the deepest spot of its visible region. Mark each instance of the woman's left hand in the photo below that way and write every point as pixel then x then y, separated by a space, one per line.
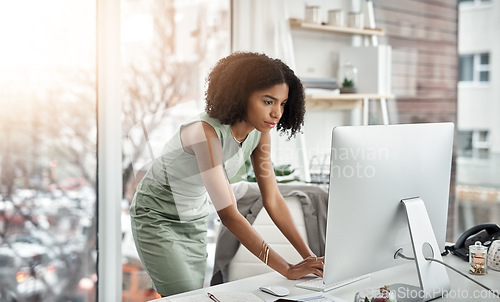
pixel 310 265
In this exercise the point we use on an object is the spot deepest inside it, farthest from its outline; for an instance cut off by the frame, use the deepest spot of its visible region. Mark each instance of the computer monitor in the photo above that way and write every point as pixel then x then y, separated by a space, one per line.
pixel 374 168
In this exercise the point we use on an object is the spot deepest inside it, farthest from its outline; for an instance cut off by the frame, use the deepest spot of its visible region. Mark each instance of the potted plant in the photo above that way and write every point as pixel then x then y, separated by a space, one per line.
pixel 348 86
pixel 284 173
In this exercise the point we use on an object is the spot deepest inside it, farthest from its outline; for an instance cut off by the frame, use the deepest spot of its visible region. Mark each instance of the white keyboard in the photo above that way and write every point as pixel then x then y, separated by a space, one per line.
pixel 318 285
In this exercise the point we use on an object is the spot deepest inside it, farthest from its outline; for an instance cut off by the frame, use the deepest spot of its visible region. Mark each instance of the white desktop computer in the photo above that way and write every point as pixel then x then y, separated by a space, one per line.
pixel 389 186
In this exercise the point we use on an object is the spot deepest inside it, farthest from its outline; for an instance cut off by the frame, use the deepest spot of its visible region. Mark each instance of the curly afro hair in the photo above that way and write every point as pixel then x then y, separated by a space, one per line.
pixel 235 77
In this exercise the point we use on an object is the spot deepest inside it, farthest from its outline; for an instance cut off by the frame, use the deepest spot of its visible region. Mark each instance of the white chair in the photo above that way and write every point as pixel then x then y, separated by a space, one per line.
pixel 245 264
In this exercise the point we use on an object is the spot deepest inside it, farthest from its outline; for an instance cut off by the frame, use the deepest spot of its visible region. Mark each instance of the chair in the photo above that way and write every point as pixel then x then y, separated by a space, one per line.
pixel 245 264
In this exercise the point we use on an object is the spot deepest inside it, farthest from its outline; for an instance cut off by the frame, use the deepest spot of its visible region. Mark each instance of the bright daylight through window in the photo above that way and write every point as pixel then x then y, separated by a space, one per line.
pixel 168 47
pixel 48 150
pixel 48 130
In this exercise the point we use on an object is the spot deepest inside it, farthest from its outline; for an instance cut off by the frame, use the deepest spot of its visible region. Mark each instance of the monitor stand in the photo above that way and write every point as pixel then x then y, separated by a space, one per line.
pixel 434 280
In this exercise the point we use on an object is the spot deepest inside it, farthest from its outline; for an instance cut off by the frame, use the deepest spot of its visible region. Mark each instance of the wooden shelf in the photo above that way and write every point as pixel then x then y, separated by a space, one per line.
pixel 344 101
pixel 348 96
pixel 297 23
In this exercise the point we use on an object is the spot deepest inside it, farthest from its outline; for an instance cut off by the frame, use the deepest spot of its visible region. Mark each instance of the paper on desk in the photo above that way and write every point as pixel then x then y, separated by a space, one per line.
pixel 314 297
pixel 222 296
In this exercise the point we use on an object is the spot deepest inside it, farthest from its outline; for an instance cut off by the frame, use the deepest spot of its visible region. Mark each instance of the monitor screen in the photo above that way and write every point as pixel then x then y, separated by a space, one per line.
pixel 372 169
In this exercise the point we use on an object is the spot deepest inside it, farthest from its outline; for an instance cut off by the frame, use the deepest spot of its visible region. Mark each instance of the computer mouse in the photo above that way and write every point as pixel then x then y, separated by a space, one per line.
pixel 276 290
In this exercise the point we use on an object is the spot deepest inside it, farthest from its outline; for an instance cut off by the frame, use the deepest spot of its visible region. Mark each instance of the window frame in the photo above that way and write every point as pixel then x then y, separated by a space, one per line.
pixel 477 68
pixel 474 4
pixel 109 151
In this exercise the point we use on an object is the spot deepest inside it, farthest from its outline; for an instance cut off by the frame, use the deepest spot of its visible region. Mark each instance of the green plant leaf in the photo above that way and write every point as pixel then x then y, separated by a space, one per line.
pixel 348 83
pixel 283 170
pixel 279 171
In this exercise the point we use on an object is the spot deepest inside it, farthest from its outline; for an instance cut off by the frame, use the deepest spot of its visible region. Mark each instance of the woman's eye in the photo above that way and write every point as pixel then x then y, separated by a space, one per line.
pixel 283 104
pixel 268 102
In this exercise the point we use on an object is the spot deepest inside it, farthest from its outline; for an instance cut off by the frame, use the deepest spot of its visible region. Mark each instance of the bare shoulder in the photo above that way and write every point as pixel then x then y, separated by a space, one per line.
pixel 196 133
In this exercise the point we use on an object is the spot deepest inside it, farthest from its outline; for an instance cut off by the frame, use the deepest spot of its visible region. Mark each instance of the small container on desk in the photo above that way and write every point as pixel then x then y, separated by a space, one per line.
pixel 494 255
pixel 477 258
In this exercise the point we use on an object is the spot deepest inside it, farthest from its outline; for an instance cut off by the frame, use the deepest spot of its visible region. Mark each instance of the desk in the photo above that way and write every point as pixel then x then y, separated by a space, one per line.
pixel 462 289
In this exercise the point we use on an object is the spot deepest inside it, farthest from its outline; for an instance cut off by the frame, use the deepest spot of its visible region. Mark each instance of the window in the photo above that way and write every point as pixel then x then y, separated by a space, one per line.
pixel 475 68
pixel 473 143
pixel 473 3
pixel 484 67
pixel 48 159
pixel 168 48
pixel 477 158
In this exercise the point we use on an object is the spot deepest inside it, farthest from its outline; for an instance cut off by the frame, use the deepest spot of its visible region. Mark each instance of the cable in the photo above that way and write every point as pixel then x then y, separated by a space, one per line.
pixel 399 254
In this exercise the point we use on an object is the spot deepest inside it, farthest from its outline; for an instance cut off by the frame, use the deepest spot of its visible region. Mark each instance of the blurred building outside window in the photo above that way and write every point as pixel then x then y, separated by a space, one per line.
pixel 478 139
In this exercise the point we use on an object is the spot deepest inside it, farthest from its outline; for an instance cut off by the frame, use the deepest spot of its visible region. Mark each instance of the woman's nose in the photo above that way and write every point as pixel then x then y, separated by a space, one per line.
pixel 277 112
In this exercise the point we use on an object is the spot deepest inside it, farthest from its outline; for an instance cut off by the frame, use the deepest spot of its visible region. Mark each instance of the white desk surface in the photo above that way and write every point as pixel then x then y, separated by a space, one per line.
pixel 462 289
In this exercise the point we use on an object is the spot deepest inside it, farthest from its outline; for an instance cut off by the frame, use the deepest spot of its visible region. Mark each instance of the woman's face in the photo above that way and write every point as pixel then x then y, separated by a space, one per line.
pixel 265 107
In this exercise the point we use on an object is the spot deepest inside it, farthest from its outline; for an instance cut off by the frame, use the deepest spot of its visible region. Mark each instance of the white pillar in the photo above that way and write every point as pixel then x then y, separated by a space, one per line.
pixel 495 79
pixel 109 151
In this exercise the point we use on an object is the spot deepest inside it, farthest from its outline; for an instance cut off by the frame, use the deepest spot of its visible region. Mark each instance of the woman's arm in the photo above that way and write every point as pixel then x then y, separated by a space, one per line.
pixel 247 235
pixel 201 140
pixel 272 199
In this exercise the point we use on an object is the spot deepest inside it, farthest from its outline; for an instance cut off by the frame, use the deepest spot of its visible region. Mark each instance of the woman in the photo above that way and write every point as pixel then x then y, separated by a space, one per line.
pixel 248 94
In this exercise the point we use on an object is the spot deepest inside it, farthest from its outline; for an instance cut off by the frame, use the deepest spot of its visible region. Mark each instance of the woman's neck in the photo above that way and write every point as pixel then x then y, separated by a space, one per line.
pixel 240 131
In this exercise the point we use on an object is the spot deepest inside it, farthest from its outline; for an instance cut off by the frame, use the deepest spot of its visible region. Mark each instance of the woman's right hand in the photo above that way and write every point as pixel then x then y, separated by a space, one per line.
pixel 310 265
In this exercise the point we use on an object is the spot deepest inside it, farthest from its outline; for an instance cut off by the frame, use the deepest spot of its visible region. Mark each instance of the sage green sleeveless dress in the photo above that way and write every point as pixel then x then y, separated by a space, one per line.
pixel 170 208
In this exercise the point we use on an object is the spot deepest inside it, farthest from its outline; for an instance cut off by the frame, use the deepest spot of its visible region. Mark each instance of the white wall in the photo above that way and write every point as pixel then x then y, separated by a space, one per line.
pixel 474 106
pixel 479 107
pixel 316 55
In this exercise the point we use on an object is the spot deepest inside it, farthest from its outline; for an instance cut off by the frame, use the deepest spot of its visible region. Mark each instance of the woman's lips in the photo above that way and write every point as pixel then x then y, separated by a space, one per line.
pixel 270 125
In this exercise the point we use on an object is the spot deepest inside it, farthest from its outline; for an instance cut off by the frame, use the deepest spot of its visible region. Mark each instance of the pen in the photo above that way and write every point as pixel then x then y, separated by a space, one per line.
pixel 212 297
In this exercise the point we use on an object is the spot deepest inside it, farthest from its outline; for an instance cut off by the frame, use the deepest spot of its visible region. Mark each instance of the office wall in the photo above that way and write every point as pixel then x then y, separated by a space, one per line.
pixel 423 37
pixel 422 34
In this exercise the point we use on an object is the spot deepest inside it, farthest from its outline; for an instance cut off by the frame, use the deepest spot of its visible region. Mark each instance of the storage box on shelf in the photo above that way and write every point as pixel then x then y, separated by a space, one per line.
pixel 297 23
pixel 344 101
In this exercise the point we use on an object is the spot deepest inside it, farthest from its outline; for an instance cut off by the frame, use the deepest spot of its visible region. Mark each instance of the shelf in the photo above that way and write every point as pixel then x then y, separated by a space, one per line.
pixel 344 101
pixel 297 23
pixel 348 96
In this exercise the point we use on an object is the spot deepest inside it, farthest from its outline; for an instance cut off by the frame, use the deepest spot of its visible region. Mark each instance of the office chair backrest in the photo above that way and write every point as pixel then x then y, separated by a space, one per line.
pixel 245 264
